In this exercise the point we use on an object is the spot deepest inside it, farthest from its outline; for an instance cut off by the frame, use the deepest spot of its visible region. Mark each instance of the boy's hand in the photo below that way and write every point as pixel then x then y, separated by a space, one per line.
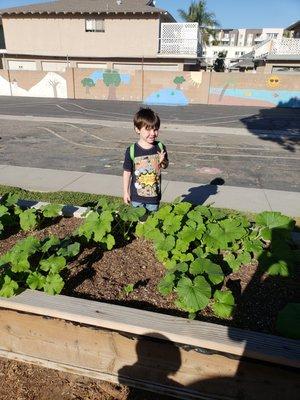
pixel 126 198
pixel 162 155
pixel 163 162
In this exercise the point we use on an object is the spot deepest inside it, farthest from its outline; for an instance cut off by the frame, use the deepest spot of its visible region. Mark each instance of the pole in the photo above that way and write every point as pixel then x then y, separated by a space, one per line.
pixel 142 79
pixel 9 78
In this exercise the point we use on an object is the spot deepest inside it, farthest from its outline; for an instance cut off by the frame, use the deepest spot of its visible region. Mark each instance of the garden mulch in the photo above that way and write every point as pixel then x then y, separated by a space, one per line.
pixel 20 381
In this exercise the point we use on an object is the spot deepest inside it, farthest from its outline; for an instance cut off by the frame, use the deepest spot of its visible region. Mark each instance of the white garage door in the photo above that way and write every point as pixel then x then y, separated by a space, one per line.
pixel 22 65
pixel 54 66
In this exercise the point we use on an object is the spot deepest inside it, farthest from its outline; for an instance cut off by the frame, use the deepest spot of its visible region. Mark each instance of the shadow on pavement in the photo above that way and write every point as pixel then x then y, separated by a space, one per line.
pixel 199 194
pixel 284 119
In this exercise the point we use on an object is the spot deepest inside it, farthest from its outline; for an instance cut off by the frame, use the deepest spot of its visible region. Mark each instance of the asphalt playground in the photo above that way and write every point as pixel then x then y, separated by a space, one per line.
pixel 205 143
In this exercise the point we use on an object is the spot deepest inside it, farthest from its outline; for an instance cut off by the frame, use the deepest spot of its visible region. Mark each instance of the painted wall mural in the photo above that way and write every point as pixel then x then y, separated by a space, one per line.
pixel 253 97
pixel 51 85
pixel 256 90
pixel 169 96
pixel 157 87
pixel 111 79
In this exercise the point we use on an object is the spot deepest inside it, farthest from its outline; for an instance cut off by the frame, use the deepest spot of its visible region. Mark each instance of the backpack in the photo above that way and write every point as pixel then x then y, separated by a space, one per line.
pixel 160 145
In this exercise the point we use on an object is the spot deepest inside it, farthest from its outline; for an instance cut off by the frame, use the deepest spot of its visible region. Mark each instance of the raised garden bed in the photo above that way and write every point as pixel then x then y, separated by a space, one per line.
pixel 129 275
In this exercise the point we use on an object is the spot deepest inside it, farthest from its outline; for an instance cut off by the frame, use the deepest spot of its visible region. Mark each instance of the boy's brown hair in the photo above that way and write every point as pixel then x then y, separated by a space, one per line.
pixel 147 118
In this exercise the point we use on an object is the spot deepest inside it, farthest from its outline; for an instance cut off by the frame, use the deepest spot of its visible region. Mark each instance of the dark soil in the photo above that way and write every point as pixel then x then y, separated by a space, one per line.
pixel 20 381
pixel 102 276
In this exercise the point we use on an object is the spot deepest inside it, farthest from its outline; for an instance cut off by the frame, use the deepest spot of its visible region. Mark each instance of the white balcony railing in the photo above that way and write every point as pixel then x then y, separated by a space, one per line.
pixel 286 46
pixel 179 39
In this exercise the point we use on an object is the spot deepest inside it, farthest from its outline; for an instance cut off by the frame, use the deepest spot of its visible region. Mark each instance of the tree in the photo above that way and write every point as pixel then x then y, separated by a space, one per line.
pixel 219 64
pixel 87 83
pixel 207 21
pixel 178 81
pixel 111 79
pixel 54 84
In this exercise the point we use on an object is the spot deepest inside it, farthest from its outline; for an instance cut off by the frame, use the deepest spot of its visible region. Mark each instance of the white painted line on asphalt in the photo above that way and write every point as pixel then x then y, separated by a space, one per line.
pixel 103 112
pixel 171 144
pixel 227 116
pixel 75 143
pixel 25 105
pixel 85 113
pixel 222 122
pixel 97 137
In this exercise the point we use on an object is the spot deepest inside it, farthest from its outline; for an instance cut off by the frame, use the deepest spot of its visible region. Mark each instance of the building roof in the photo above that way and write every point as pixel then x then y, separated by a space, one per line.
pixel 88 7
pixel 292 27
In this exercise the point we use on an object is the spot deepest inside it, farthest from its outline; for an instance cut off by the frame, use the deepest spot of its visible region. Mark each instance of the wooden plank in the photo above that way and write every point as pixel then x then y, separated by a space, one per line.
pixel 144 362
pixel 194 333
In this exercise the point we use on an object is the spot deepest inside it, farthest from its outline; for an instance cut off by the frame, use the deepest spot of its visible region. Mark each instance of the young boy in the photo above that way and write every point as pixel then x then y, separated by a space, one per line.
pixel 143 163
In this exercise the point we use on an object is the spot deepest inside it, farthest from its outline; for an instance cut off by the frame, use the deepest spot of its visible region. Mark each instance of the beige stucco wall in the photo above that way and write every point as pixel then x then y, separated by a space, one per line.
pixel 123 37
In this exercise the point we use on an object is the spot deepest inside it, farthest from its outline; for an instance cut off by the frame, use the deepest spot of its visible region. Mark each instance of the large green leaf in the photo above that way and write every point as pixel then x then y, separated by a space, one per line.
pixel 172 224
pixel 280 267
pixel 9 199
pixel 51 210
pixel 132 214
pixel 182 208
pixel 214 237
pixel 166 285
pixel 49 242
pixel 162 255
pixel 9 287
pixel 274 224
pixel 53 284
pixel 253 246
pixel 54 264
pixel 214 271
pixel 19 254
pixel 69 249
pixel 224 303
pixel 166 244
pixel 195 294
pixel 196 216
pixel 36 280
pixel 163 212
pixel 203 210
pixel 96 225
pixel 272 219
pixel 288 321
pixel 232 229
pixel 3 211
pixel 187 234
pixel 28 219
pixel 109 240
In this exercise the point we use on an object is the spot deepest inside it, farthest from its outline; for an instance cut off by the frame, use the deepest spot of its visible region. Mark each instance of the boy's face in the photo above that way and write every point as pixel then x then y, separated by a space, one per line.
pixel 147 135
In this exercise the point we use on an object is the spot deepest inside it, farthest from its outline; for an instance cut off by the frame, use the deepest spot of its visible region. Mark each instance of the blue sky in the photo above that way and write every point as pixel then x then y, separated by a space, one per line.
pixel 230 13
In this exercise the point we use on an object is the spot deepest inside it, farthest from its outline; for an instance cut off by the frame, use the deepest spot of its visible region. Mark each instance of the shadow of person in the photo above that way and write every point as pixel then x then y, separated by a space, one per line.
pixel 279 124
pixel 199 194
pixel 157 360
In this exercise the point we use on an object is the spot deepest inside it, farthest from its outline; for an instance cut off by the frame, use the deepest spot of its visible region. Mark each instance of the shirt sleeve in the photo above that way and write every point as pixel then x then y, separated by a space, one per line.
pixel 128 164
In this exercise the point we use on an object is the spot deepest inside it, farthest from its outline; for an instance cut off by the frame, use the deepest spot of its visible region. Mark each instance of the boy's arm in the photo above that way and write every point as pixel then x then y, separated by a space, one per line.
pixel 126 186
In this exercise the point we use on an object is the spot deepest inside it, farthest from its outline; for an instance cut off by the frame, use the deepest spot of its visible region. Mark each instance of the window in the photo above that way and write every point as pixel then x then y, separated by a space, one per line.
pixel 237 53
pixel 242 53
pixel 94 25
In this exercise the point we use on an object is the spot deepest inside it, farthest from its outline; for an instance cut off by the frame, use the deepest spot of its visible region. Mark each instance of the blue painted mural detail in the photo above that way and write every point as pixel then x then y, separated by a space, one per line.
pixel 280 98
pixel 167 97
pixel 98 76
